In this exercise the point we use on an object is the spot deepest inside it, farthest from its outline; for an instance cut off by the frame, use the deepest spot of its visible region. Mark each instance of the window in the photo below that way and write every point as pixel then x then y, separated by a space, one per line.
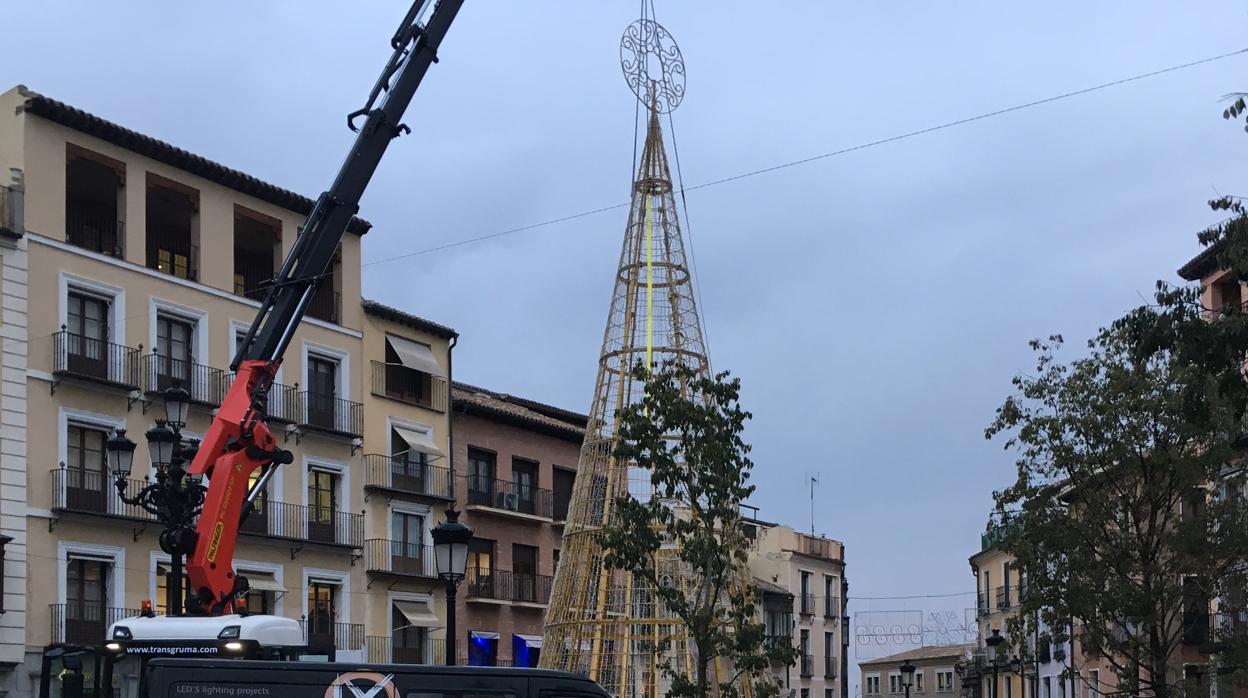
pixel 481 567
pixel 894 683
pixel 872 687
pixel 171 214
pixel 804 650
pixel 93 203
pixel 1094 683
pixel 262 596
pixel 481 468
pixel 322 612
pixel 257 247
pixel 322 391
pixel 407 642
pixel 163 577
pixel 482 648
pixel 918 681
pixel 409 370
pixel 827 693
pixel 805 693
pixel 86 335
pixel 408 466
pixel 944 680
pixel 831 608
pixel 829 660
pixel 524 571
pixel 1047 690
pixel 407 546
pixel 86 599
pixel 554 560
pixel 564 481
pixel 808 599
pixel 524 484
pixel 87 482
pixel 322 504
pixel 174 354
pixel 326 301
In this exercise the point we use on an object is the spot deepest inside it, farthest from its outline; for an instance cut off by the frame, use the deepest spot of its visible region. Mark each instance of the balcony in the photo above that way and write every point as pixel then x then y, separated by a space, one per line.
pixel 169 251
pixel 832 607
pixel 816 547
pixel 1003 598
pixel 808 664
pixel 981 606
pixel 399 558
pixel 325 305
pixel 85 492
pixel 330 414
pixel 283 400
pixel 94 360
pixel 386 650
pixel 304 523
pixel 402 476
pixel 320 631
pixel 207 385
pixel 510 499
pixel 808 604
pixel 94 227
pixel 408 385
pixel 507 586
pixel 251 281
pixel 84 623
pixel 829 667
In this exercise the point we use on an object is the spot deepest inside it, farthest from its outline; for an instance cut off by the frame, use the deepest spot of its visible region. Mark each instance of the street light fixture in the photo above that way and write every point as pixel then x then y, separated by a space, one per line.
pixel 907 675
pixel 120 454
pixel 450 552
pixel 994 643
pixel 177 402
pixel 160 442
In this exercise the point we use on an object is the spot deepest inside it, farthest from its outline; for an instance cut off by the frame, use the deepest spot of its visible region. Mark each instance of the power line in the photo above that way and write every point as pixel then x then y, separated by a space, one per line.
pixel 824 156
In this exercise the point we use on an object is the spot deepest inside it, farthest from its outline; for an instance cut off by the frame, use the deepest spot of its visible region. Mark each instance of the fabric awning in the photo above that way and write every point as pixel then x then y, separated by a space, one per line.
pixel 483 634
pixel 419 441
pixel 416 356
pixel 532 641
pixel 263 582
pixel 418 614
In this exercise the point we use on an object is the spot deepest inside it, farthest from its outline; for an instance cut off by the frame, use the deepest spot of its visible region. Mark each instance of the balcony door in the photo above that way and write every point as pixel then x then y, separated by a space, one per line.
pixel 481 568
pixel 322 610
pixel 322 391
pixel 86 485
pixel 407 547
pixel 258 518
pixel 322 504
pixel 173 353
pixel 524 572
pixel 407 465
pixel 407 643
pixel 86 330
pixel 86 600
pixel 524 485
pixel 481 468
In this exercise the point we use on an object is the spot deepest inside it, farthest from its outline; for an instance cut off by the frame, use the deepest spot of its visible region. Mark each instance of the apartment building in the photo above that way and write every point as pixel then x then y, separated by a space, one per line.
pixel 516 461
pixel 937 672
pixel 407 481
pixel 812 569
pixel 142 264
pixel 999 589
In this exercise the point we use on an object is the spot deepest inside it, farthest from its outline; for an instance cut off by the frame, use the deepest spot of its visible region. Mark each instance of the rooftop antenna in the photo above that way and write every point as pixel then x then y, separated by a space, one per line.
pixel 812 480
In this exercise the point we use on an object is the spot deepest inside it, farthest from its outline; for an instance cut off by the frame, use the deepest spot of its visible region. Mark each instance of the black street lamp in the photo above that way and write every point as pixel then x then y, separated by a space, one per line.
pixel 174 498
pixel 450 552
pixel 907 675
pixel 994 651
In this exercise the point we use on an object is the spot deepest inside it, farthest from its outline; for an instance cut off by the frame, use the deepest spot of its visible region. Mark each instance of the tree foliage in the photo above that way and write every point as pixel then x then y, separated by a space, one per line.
pixel 686 432
pixel 1119 516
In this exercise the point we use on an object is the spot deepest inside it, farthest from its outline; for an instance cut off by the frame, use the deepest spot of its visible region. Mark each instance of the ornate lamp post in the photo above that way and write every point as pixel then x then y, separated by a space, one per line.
pixel 450 552
pixel 907 675
pixel 994 656
pixel 173 498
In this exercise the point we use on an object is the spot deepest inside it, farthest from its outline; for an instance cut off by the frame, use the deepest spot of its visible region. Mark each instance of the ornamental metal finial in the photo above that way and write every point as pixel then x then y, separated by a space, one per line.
pixel 653 66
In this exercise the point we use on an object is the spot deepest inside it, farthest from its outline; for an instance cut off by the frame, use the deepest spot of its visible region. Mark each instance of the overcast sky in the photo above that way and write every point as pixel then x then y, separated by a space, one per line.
pixel 875 305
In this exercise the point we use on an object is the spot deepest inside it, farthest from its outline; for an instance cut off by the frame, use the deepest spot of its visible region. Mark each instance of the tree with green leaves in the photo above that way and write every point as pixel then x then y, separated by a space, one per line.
pixel 686 433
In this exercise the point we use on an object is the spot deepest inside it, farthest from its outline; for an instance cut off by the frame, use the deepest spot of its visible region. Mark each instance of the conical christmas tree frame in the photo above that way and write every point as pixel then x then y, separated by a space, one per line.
pixel 607 623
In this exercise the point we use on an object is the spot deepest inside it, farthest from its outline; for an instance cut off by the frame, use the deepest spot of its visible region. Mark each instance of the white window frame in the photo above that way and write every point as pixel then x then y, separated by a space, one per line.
pixel 342 579
pixel 918 680
pixel 941 671
pixel 339 468
pixel 116 296
pixel 408 596
pixel 899 687
pixel 1094 683
pixel 116 587
pixel 392 422
pixel 198 319
pixel 866 689
pixel 69 415
pixel 343 379
pixel 422 510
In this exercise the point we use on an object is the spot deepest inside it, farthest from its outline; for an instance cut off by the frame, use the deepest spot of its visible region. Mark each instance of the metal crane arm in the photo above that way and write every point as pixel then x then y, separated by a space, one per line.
pixel 239 442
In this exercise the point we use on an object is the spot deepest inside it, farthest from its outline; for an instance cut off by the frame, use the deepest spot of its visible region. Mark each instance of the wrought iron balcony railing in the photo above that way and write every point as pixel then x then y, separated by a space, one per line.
pixel 250 281
pixel 387 650
pixel 408 385
pixel 80 491
pixel 807 604
pixel 1003 598
pixel 305 523
pixel 283 400
pixel 832 607
pixel 78 356
pixel 331 414
pixel 207 385
pixel 325 305
pixel 94 227
pixel 85 623
pixel 401 474
pixel 505 585
pixel 510 496
pixel 170 251
pixel 808 665
pixel 829 667
pixel 399 557
pixel 321 631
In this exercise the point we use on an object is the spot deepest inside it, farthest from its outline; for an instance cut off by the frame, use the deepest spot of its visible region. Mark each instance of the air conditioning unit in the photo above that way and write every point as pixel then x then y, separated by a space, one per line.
pixel 511 502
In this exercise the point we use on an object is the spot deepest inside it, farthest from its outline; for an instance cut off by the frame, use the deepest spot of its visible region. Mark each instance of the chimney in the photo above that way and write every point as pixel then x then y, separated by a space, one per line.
pixel 13 207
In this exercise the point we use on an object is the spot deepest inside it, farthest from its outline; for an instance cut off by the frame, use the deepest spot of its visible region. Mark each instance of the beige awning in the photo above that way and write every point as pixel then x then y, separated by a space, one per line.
pixel 263 582
pixel 418 614
pixel 419 441
pixel 415 355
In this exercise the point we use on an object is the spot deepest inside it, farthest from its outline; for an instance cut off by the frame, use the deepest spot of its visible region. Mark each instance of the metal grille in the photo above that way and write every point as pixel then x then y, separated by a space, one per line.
pixel 604 623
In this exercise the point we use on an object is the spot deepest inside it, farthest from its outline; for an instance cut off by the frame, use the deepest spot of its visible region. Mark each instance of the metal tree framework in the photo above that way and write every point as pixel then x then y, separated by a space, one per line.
pixel 607 623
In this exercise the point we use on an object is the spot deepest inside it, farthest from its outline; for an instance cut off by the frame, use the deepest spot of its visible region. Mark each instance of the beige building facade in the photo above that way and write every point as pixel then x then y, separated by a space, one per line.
pixel 135 267
pixel 937 672
pixel 812 569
